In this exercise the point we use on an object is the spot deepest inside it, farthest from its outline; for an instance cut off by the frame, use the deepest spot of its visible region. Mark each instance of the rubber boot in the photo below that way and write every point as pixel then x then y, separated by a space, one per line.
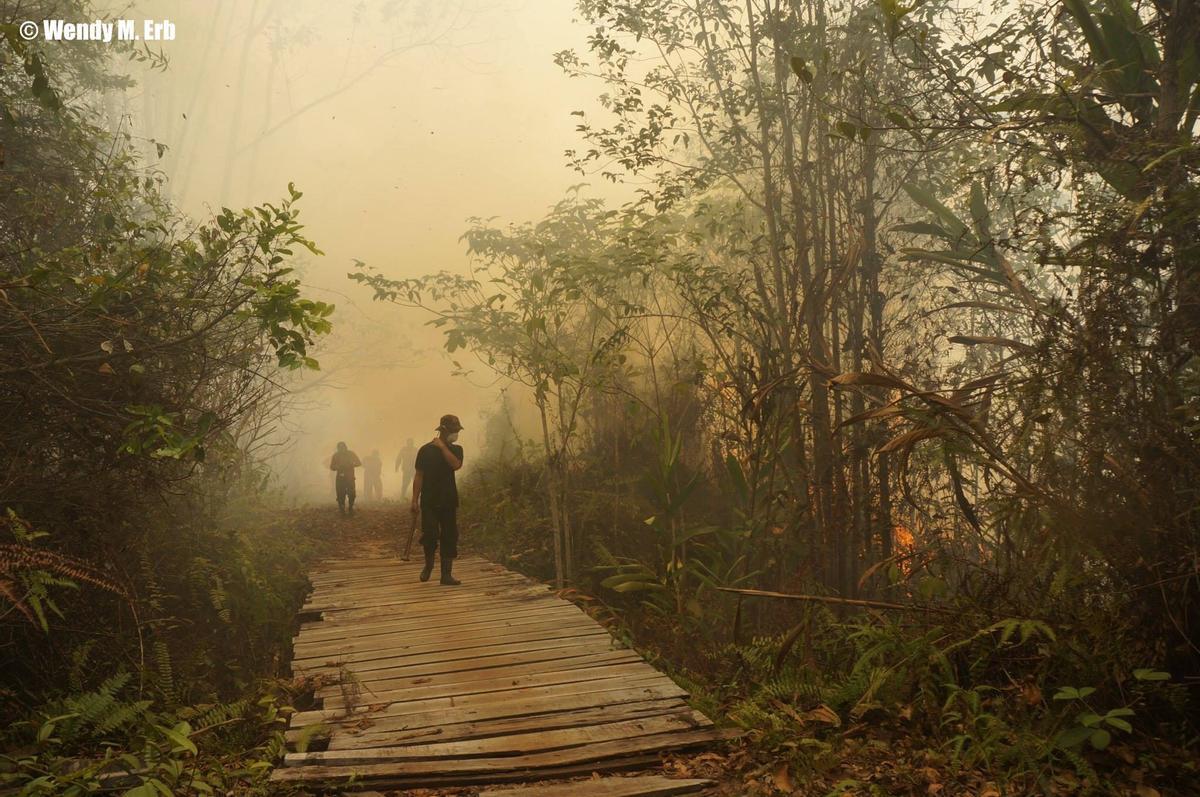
pixel 447 579
pixel 427 570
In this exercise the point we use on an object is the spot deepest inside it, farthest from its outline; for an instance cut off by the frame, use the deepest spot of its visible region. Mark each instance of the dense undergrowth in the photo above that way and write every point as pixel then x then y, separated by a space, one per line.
pixel 192 697
pixel 945 697
pixel 147 589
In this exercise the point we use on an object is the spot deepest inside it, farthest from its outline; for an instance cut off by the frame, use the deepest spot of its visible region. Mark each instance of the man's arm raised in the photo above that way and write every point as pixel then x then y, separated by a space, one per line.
pixel 454 462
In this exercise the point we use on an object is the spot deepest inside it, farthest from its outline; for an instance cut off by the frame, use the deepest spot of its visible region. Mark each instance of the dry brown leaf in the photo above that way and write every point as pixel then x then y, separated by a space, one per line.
pixel 1143 790
pixel 783 779
pixel 1031 694
pixel 823 713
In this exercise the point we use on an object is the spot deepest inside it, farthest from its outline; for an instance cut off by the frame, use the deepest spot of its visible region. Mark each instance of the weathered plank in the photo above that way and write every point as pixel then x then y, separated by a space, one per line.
pixel 387 768
pixel 569 718
pixel 502 683
pixel 481 666
pixel 395 664
pixel 512 744
pixel 635 786
pixel 367 728
pixel 620 682
pixel 403 639
pixel 496 681
pixel 372 658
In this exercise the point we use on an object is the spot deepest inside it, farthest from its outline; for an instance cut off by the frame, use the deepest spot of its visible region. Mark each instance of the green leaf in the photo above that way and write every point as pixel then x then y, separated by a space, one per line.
pixel 1119 724
pixel 638 586
pixel 1100 739
pixel 1073 737
pixel 924 228
pixel 178 737
pixel 927 200
pixel 1146 674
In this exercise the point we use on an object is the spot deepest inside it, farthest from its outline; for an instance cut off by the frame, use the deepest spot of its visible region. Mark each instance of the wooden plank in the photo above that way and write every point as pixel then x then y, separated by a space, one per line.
pixel 614 682
pixel 453 727
pixel 430 592
pixel 408 617
pixel 502 684
pixel 466 621
pixel 553 665
pixel 634 786
pixel 571 718
pixel 400 600
pixel 451 638
pixel 497 681
pixel 373 659
pixel 479 666
pixel 367 773
pixel 435 780
pixel 432 595
pixel 370 726
pixel 404 664
pixel 512 744
pixel 409 581
pixel 390 622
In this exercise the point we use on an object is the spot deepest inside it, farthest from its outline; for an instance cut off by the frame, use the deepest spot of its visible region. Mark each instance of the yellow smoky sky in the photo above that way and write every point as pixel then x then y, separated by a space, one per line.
pixel 399 121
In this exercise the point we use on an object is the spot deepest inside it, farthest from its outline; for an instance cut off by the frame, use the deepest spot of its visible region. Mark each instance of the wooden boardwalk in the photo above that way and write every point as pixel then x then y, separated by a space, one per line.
pixel 495 681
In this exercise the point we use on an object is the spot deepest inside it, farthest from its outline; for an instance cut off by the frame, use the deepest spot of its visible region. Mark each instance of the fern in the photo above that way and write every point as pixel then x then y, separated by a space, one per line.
pixel 164 673
pixel 27 573
pixel 221 713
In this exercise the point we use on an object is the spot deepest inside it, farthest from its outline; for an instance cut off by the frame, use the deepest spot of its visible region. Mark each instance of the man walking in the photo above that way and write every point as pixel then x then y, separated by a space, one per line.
pixel 373 476
pixel 342 463
pixel 435 497
pixel 404 460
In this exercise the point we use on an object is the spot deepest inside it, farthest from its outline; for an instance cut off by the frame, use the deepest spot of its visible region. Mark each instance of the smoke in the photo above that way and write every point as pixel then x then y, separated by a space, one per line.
pixel 398 121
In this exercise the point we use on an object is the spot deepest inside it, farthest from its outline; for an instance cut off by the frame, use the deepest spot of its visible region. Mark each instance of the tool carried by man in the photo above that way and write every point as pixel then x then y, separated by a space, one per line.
pixel 414 520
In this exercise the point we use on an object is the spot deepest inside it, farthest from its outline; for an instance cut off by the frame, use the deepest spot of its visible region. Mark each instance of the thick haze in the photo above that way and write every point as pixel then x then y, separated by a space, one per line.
pixel 399 121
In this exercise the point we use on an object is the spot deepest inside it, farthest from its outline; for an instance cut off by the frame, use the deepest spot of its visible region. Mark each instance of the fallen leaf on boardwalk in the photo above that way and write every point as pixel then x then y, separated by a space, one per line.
pixel 378 706
pixel 424 680
pixel 783 779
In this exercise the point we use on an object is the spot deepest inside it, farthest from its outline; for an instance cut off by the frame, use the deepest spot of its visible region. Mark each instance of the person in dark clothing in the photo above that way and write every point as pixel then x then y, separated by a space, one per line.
pixel 435 497
pixel 343 462
pixel 404 460
pixel 373 476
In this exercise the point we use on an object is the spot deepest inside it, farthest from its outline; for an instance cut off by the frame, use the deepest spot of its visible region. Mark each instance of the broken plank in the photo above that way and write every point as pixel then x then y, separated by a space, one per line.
pixel 551 720
pixel 612 786
pixel 367 773
pixel 513 744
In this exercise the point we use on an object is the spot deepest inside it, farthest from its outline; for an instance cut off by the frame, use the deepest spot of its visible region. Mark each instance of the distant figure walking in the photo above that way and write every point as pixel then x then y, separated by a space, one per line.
pixel 404 462
pixel 342 463
pixel 373 473
pixel 435 497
